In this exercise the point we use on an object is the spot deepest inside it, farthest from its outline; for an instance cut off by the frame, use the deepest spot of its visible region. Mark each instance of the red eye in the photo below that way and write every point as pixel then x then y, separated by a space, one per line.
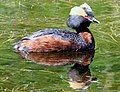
pixel 86 15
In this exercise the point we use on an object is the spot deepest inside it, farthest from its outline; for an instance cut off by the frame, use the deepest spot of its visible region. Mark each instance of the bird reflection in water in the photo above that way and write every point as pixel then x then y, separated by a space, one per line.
pixel 79 74
pixel 80 77
pixel 61 58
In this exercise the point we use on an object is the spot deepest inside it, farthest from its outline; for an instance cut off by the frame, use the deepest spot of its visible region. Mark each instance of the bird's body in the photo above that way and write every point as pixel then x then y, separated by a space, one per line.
pixel 56 40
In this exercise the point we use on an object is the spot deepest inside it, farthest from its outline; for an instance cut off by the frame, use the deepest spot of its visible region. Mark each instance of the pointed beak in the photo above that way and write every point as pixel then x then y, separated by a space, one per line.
pixel 94 20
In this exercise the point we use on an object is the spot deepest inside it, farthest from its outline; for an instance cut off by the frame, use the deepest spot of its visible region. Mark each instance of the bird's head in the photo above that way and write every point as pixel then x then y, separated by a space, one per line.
pixel 81 16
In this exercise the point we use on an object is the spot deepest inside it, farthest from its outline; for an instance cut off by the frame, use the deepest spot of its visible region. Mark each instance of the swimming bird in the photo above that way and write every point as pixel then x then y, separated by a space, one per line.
pixel 55 40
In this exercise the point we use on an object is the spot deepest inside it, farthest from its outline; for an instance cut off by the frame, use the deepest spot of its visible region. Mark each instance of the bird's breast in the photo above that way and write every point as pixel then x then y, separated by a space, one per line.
pixel 86 36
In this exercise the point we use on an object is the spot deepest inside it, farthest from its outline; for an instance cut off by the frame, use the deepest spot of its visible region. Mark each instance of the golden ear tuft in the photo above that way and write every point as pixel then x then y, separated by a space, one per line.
pixel 78 11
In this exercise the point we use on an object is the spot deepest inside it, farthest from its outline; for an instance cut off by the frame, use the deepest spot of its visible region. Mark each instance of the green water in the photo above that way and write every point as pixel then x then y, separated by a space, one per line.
pixel 19 18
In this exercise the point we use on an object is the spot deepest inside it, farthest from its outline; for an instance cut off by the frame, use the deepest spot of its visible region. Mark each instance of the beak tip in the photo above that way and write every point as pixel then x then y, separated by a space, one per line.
pixel 96 21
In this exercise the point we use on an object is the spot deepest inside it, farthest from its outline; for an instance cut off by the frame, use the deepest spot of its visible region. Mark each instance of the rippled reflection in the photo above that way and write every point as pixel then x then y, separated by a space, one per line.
pixel 61 58
pixel 79 74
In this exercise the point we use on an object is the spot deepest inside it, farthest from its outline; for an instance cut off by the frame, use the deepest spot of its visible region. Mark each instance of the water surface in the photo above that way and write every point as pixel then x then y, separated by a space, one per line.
pixel 19 18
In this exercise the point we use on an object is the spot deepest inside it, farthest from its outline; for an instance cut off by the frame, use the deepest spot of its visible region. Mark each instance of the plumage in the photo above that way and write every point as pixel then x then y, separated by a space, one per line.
pixel 54 40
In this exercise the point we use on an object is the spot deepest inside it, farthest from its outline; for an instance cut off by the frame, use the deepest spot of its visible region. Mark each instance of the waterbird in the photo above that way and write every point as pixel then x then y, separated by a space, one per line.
pixel 55 40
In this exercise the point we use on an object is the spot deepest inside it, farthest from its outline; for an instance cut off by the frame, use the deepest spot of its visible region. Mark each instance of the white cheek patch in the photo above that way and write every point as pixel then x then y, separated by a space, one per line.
pixel 78 11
